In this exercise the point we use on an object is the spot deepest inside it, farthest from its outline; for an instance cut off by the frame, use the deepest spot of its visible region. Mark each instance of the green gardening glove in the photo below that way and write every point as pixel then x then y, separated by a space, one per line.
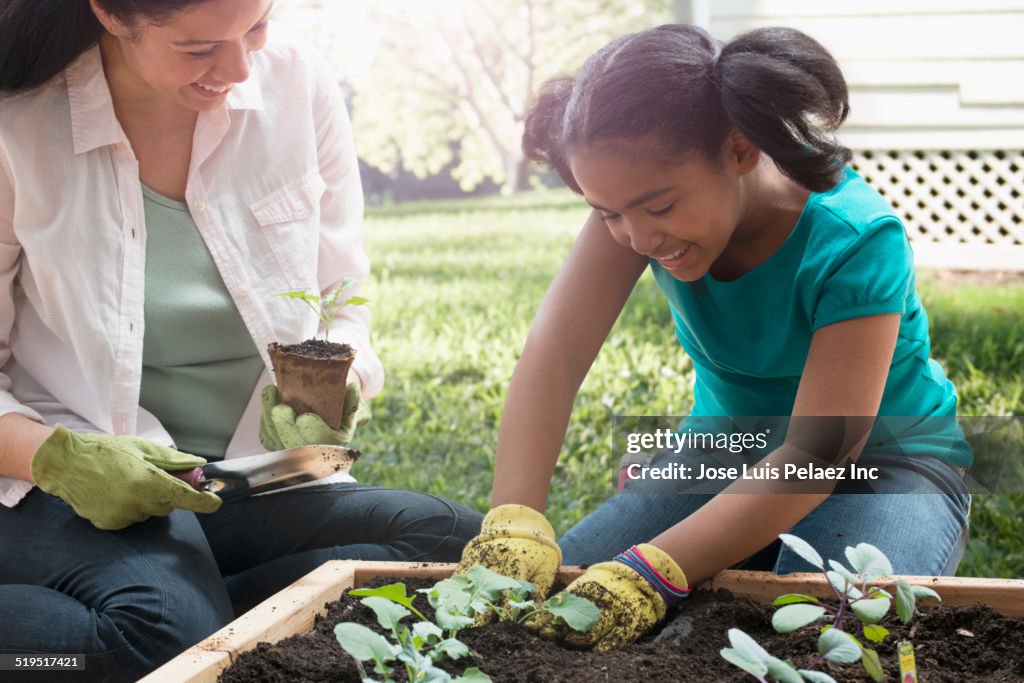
pixel 117 481
pixel 280 428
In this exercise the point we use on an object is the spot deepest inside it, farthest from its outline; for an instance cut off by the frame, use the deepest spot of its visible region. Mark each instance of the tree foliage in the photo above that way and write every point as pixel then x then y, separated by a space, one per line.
pixel 451 82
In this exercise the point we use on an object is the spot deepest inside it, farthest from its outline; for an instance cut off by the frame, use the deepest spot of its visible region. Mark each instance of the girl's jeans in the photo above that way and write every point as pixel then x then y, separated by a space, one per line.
pixel 130 600
pixel 916 513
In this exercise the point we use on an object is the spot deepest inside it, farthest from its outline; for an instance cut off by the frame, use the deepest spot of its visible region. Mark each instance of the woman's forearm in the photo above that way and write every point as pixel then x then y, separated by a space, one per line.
pixel 19 439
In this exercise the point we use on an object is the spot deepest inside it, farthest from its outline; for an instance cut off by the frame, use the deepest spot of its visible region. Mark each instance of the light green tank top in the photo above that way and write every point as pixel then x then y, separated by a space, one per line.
pixel 199 363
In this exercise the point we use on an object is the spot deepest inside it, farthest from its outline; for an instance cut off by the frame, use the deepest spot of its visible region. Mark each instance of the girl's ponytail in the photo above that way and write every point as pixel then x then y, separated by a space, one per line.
pixel 785 92
pixel 39 38
pixel 677 85
pixel 542 134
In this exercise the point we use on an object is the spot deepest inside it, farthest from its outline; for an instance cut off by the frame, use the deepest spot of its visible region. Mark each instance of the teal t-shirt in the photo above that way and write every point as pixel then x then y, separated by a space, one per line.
pixel 847 257
pixel 199 362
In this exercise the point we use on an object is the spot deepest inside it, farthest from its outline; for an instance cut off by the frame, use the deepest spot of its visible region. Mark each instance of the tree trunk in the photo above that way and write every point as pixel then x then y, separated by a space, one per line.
pixel 517 174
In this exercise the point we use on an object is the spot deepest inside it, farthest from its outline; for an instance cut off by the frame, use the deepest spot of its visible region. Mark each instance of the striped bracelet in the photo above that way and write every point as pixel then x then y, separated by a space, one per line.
pixel 669 592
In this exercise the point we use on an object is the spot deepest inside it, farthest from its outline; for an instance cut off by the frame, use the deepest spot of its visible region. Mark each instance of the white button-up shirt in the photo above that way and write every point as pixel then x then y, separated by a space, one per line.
pixel 273 187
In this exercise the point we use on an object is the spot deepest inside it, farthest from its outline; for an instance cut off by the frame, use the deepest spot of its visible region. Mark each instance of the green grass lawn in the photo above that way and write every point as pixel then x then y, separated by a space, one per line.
pixel 454 288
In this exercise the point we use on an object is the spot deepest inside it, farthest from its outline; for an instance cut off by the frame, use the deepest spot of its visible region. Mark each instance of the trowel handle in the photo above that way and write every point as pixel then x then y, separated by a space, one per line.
pixel 194 477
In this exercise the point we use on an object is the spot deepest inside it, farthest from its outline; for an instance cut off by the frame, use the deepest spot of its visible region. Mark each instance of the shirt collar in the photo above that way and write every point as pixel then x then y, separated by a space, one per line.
pixel 93 121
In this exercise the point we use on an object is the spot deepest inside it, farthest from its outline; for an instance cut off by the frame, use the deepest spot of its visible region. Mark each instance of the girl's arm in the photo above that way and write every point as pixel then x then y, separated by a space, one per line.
pixel 574 319
pixel 844 375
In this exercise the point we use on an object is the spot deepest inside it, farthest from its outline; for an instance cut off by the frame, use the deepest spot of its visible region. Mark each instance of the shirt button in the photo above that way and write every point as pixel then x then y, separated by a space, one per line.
pixel 243 291
pixel 200 206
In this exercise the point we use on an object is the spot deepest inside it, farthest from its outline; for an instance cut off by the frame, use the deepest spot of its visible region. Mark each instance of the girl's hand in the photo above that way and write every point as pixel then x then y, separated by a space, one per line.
pixel 632 592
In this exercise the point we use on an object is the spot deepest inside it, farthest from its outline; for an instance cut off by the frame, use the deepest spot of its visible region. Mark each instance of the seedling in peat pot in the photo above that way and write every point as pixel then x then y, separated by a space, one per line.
pixel 328 306
pixel 858 603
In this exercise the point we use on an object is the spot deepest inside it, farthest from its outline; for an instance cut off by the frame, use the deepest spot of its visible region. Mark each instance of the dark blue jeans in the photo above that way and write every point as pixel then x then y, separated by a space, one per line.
pixel 130 600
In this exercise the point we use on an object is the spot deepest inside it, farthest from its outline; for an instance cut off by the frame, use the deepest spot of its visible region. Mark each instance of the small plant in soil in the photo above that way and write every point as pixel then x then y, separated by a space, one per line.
pixel 458 602
pixel 464 599
pixel 858 607
pixel 311 376
pixel 418 649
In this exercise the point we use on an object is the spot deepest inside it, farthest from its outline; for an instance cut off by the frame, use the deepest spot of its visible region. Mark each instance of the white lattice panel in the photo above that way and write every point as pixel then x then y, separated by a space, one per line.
pixel 962 209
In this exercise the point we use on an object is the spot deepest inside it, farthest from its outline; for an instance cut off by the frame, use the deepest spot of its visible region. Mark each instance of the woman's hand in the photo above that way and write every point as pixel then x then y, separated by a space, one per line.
pixel 117 481
pixel 280 428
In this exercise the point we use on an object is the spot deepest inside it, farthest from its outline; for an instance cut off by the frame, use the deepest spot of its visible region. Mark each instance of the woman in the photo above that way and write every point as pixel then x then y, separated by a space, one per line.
pixel 165 172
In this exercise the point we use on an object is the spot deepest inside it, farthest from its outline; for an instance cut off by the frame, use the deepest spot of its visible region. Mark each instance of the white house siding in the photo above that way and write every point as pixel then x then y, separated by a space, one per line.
pixel 937 111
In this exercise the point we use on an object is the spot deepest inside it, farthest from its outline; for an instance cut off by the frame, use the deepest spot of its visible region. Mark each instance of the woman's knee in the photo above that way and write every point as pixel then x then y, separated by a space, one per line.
pixel 430 527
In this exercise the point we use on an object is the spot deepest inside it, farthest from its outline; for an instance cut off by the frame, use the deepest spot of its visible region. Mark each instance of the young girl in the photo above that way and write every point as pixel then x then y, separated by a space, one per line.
pixel 791 287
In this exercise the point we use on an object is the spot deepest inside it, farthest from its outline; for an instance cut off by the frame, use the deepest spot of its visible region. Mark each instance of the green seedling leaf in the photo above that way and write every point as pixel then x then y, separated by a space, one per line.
pixel 453 648
pixel 472 675
pixel 452 623
pixel 365 645
pixel 752 667
pixel 872 665
pixel 816 676
pixel 452 595
pixel 747 646
pixel 491 584
pixel 427 631
pixel 357 301
pixel 395 592
pixel 906 602
pixel 792 617
pixel 871 610
pixel 579 613
pixel 803 549
pixel 792 598
pixel 838 646
pixel 868 561
pixel 875 633
pixel 783 672
pixel 389 615
pixel 841 569
pixel 843 586
pixel 923 593
pixel 301 295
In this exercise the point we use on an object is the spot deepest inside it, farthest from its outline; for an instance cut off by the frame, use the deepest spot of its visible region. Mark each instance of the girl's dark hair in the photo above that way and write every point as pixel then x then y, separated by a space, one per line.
pixel 39 38
pixel 777 86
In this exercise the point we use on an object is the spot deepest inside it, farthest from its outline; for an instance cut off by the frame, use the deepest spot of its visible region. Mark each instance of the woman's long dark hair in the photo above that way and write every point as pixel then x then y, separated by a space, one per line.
pixel 777 86
pixel 39 38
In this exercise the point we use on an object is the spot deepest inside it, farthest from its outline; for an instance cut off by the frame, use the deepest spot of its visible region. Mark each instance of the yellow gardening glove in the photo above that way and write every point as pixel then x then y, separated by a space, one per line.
pixel 280 428
pixel 518 542
pixel 117 481
pixel 630 604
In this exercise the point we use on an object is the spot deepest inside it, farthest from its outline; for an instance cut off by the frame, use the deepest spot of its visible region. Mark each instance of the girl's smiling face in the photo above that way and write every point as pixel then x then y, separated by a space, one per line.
pixel 193 58
pixel 682 215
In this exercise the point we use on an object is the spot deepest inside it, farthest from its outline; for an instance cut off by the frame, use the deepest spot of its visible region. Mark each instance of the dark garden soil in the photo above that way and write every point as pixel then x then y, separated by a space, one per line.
pixel 318 348
pixel 951 644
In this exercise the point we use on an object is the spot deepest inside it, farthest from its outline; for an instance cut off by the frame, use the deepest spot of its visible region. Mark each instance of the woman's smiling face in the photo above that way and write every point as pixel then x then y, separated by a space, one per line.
pixel 682 215
pixel 195 56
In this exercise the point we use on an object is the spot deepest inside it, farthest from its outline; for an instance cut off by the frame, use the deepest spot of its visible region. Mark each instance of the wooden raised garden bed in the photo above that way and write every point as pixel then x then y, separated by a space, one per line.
pixel 294 609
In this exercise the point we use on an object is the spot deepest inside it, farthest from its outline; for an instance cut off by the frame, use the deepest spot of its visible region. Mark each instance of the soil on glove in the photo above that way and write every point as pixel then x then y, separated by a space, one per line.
pixel 951 644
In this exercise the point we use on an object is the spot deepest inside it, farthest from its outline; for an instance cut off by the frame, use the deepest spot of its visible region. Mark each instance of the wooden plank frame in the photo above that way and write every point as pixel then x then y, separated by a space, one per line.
pixel 293 610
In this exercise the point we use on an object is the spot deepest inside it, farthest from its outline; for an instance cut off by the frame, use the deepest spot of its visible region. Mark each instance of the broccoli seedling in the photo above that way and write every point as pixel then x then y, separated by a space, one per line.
pixel 857 602
pixel 417 648
pixel 329 305
pixel 460 599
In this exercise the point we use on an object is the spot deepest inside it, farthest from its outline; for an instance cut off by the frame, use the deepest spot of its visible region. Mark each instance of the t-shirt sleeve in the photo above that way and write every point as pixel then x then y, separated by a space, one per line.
pixel 874 276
